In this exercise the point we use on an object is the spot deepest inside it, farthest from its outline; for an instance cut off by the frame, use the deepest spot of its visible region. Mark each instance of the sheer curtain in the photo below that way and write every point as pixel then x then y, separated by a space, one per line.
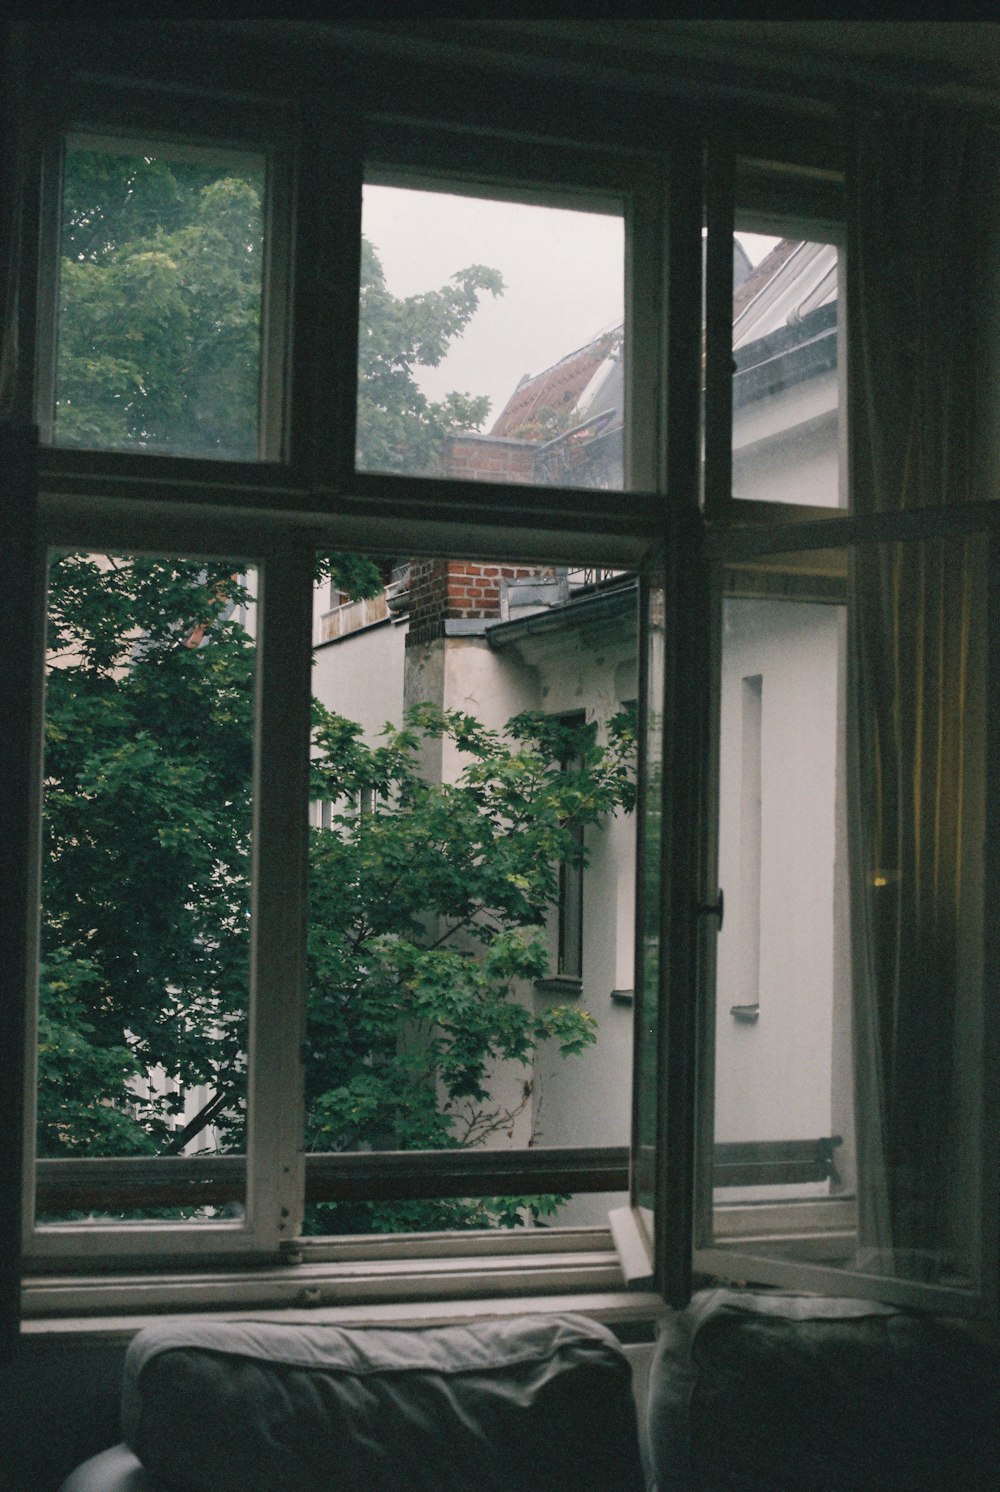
pixel 920 189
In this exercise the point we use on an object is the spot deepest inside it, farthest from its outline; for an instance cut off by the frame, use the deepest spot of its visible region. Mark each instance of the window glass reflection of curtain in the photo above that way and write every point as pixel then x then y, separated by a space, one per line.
pixel 918 188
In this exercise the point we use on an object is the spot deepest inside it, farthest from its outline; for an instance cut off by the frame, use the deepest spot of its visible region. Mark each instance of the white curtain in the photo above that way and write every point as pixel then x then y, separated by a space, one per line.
pixel 921 193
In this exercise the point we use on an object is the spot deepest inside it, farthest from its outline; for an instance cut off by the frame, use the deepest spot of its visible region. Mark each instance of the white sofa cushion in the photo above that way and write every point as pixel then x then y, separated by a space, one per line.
pixel 539 1402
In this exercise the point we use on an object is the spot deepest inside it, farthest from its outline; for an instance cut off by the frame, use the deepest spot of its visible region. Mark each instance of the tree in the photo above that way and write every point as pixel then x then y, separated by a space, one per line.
pixel 399 428
pixel 160 320
pixel 146 843
pixel 147 821
pixel 159 307
pixel 428 907
pixel 428 901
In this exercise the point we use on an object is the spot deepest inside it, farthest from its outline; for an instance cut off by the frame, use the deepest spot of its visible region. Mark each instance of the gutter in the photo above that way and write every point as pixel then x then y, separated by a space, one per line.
pixel 595 606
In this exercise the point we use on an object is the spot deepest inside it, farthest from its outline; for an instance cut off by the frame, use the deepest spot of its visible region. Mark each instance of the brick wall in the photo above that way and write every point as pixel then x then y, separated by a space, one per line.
pixel 428 600
pixel 486 458
pixel 456 590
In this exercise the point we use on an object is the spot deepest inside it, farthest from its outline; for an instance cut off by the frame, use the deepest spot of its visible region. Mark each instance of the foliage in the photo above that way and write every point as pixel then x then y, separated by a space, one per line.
pixel 160 318
pixel 148 758
pixel 427 911
pixel 399 428
pixel 428 901
pixel 428 908
pixel 159 325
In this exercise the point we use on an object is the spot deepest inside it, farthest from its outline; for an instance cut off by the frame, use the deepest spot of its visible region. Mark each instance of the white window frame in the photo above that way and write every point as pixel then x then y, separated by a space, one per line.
pixel 127 501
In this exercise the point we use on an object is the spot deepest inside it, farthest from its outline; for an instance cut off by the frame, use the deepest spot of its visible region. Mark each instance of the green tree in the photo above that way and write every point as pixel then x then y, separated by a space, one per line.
pixel 160 321
pixel 146 843
pixel 428 901
pixel 159 306
pixel 426 910
pixel 429 904
pixel 399 428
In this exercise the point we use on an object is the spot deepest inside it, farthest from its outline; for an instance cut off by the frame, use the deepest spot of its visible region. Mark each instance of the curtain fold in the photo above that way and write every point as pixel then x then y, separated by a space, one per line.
pixel 919 185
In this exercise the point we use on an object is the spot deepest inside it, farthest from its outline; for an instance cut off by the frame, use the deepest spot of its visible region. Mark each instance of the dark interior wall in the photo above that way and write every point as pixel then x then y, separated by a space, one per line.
pixel 59 1404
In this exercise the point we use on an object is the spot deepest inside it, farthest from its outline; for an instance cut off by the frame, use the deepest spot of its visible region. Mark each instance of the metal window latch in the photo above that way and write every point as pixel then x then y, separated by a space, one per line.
pixel 713 908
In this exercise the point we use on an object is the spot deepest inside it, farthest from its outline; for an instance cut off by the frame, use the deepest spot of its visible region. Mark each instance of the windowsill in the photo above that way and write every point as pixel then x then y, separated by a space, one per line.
pixel 569 985
pixel 462 1278
pixel 632 1314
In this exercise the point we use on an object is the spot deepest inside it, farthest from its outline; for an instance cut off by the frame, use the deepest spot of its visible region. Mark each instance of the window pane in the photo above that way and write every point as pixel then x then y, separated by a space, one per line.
pixel 647 1104
pixel 491 340
pixel 159 306
pixel 474 733
pixel 787 428
pixel 848 997
pixel 145 888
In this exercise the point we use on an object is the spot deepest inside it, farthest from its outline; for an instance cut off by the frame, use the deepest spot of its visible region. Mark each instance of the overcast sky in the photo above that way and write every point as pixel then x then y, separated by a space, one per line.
pixel 563 274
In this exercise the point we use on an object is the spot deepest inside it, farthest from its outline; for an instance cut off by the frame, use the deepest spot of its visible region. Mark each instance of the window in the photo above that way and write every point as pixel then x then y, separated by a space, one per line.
pixel 169 1101
pixel 158 315
pixel 536 345
pixel 267 468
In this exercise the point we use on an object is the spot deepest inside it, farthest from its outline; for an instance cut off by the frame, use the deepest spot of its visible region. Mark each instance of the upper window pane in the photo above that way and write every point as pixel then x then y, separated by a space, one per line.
pixel 491 340
pixel 158 317
pixel 787 423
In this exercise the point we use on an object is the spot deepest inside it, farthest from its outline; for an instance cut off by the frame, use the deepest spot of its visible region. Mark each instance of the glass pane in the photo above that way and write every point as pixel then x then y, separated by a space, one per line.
pixel 491 340
pixel 648 978
pixel 787 427
pixel 145 888
pixel 474 731
pixel 848 1115
pixel 159 310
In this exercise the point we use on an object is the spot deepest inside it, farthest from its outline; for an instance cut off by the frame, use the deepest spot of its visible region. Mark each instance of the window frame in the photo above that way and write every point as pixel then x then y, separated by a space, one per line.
pixel 274 514
pixel 730 1256
pixel 281 509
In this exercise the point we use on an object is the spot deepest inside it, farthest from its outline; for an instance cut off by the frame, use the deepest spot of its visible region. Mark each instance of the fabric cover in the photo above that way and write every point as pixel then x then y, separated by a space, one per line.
pixel 116 1470
pixel 760 1392
pixel 539 1402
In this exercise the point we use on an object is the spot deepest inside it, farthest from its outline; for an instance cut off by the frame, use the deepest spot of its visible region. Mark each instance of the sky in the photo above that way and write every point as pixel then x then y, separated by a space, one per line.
pixel 563 273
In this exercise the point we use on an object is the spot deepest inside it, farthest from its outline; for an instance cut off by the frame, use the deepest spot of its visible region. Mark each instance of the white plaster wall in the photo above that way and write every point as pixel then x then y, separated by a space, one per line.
pixel 586 1099
pixel 361 676
pixel 786 446
pixel 773 1077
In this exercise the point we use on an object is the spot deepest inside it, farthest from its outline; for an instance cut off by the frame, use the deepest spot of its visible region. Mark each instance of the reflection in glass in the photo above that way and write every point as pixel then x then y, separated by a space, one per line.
pixel 474 734
pixel 491 340
pixel 146 825
pixel 648 976
pixel 848 1110
pixel 159 309
pixel 786 384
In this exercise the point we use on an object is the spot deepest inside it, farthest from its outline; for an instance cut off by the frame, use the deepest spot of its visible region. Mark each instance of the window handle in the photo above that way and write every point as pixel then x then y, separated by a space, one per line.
pixel 714 908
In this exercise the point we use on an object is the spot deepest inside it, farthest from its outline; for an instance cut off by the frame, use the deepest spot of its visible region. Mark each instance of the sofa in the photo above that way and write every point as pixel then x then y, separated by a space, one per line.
pixel 762 1391
pixel 748 1391
pixel 541 1402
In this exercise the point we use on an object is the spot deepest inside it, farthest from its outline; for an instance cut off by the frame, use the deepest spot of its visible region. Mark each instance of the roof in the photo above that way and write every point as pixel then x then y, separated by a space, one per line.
pixel 540 405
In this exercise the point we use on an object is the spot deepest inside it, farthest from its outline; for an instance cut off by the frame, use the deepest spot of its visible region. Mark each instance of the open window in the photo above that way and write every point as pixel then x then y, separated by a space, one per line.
pixel 263 1031
pixel 320 579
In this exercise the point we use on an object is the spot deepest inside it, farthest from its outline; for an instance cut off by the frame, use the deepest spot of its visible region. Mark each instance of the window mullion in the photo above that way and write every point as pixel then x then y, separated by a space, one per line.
pixel 682 703
pixel 275 1179
pixel 326 279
